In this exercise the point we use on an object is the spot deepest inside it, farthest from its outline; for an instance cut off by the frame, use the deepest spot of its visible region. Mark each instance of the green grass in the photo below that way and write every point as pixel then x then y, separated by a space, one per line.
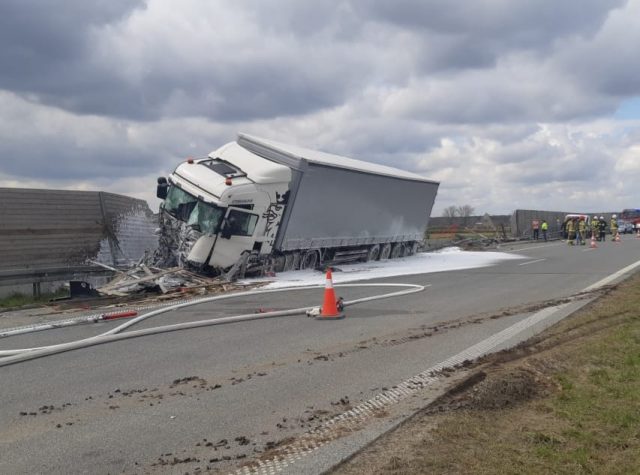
pixel 17 299
pixel 600 404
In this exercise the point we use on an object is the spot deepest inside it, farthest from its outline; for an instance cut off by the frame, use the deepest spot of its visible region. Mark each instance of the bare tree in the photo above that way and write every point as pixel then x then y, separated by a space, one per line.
pixel 465 210
pixel 450 212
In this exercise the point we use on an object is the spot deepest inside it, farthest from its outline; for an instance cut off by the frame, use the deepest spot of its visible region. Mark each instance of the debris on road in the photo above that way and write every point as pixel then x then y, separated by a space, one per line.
pixel 143 279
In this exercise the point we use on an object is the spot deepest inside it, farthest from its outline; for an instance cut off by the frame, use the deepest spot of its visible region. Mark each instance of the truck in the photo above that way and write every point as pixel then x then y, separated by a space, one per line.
pixel 256 206
pixel 629 220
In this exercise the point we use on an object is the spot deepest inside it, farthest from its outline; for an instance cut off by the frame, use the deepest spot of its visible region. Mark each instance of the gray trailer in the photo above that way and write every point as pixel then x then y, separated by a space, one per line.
pixel 338 202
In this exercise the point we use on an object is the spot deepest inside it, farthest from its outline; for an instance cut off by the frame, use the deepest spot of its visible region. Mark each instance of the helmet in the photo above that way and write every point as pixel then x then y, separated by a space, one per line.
pixel 595 217
pixel 614 216
pixel 601 217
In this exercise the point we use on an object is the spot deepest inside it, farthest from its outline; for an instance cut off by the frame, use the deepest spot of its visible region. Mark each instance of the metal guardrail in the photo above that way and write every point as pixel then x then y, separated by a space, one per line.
pixel 37 276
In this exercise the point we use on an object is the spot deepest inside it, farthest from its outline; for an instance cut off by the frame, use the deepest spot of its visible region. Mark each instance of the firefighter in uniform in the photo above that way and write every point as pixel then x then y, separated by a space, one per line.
pixel 602 228
pixel 571 231
pixel 594 228
pixel 582 230
pixel 614 227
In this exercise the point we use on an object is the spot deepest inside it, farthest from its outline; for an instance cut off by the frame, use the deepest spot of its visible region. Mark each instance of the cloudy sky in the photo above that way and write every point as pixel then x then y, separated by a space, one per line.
pixel 509 103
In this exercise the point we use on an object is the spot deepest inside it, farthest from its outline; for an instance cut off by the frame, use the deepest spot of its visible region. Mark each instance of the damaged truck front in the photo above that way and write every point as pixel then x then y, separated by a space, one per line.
pixel 256 206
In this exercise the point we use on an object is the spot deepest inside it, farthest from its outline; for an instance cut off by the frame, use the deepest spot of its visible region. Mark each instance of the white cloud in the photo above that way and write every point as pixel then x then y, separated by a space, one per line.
pixel 508 104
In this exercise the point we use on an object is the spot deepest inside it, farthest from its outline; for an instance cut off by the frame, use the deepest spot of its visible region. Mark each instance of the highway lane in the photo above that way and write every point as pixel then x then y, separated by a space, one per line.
pixel 124 406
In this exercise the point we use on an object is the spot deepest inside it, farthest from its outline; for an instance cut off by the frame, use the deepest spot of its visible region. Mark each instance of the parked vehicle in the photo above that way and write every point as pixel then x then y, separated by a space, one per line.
pixel 255 205
pixel 631 215
pixel 625 227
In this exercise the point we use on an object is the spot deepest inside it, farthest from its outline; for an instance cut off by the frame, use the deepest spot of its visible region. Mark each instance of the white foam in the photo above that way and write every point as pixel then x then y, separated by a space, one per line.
pixel 447 259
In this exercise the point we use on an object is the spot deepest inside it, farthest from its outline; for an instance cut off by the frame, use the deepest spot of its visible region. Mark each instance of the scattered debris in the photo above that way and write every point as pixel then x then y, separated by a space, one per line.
pixel 170 283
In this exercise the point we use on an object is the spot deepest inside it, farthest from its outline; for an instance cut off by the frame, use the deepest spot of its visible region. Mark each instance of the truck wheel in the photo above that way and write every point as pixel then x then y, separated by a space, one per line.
pixel 397 251
pixel 289 262
pixel 309 260
pixel 412 248
pixel 279 263
pixel 385 252
pixel 373 253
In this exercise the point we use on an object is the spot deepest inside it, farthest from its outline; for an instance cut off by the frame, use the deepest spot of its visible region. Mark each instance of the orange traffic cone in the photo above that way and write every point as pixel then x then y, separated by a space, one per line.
pixel 593 242
pixel 638 233
pixel 330 309
pixel 617 238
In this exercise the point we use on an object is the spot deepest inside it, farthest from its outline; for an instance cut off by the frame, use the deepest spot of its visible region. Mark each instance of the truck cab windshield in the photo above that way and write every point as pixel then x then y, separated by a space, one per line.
pixel 202 216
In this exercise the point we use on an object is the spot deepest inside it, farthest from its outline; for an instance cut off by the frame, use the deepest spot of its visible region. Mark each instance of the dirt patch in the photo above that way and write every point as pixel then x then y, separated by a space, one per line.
pixel 497 390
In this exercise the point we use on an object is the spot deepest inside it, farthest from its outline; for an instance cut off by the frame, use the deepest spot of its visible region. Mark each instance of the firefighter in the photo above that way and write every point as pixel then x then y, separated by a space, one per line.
pixel 594 228
pixel 582 231
pixel 614 227
pixel 571 231
pixel 602 228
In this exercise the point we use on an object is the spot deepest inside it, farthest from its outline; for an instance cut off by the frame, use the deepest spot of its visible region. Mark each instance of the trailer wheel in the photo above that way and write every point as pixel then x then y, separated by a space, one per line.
pixel 289 261
pixel 412 248
pixel 373 253
pixel 385 252
pixel 309 260
pixel 279 263
pixel 397 251
pixel 296 260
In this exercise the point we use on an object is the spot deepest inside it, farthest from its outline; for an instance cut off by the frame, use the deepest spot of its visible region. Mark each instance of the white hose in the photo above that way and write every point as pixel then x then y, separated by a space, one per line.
pixel 25 354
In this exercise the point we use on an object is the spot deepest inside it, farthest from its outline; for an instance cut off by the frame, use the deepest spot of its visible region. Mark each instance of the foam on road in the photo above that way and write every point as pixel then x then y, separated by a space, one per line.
pixel 448 259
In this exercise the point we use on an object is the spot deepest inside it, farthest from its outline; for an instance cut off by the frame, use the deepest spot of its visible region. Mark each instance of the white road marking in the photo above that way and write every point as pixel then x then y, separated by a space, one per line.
pixel 532 262
pixel 612 277
pixel 530 248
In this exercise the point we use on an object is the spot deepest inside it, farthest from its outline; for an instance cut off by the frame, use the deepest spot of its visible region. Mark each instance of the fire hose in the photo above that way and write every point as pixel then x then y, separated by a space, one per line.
pixel 115 334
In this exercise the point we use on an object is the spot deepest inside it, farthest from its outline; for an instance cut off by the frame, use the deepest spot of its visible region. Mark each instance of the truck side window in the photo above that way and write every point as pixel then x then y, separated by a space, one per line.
pixel 241 224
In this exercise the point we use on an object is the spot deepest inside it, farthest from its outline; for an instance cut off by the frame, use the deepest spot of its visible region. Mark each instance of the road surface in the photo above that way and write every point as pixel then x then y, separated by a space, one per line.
pixel 219 398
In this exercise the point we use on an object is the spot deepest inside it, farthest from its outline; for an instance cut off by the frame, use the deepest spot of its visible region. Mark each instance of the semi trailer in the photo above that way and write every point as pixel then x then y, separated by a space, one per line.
pixel 255 206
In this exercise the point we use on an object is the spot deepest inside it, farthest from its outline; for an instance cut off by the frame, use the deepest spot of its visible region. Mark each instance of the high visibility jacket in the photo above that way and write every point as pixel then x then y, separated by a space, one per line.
pixel 544 226
pixel 614 225
pixel 570 227
pixel 582 226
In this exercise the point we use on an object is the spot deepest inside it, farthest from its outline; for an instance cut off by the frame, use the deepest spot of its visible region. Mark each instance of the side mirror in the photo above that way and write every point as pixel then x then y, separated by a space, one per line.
pixel 163 188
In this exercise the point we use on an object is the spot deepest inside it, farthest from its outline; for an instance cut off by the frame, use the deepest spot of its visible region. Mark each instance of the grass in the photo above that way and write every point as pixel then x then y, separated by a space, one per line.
pixel 17 299
pixel 586 422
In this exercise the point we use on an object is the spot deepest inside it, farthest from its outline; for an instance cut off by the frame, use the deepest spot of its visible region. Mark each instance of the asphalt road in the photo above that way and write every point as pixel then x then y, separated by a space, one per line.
pixel 220 396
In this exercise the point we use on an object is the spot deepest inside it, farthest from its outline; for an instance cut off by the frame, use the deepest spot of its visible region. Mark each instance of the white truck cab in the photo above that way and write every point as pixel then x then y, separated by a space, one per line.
pixel 224 199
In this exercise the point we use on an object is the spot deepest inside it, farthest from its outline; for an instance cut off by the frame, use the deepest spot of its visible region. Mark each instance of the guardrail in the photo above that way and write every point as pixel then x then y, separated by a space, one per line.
pixel 37 276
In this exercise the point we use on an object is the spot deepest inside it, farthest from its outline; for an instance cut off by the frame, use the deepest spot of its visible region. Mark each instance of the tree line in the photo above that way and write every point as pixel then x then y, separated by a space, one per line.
pixel 463 211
